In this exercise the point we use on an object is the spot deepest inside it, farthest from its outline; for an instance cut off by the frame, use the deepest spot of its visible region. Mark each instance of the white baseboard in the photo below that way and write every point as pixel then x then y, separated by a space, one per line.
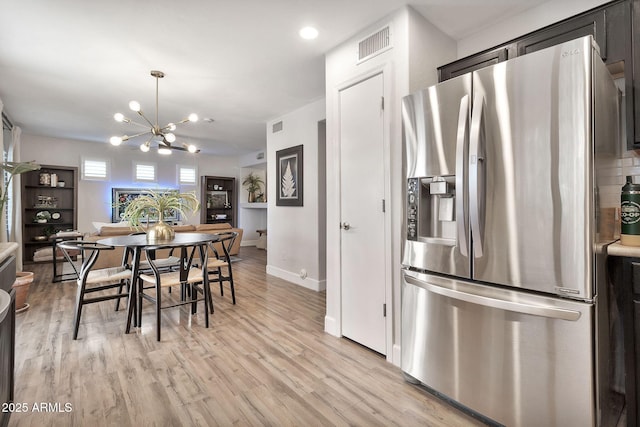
pixel 315 285
pixel 331 327
pixel 397 355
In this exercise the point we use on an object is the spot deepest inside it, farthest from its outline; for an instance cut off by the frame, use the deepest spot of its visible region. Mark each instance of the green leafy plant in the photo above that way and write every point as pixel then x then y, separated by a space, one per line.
pixel 13 169
pixel 155 205
pixel 252 183
pixel 43 215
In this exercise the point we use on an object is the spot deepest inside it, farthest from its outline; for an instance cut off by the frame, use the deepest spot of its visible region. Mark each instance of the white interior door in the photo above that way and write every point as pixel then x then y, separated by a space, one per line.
pixel 362 217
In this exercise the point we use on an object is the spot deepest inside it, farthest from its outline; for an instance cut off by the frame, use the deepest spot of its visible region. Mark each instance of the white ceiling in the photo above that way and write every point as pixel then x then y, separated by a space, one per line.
pixel 67 66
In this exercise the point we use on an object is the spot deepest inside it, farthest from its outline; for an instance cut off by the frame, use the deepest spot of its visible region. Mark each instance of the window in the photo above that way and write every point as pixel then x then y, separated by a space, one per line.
pixel 145 172
pixel 187 175
pixel 95 169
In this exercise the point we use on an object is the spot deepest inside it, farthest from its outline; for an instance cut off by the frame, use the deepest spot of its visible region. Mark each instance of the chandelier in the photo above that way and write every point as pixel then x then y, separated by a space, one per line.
pixel 163 136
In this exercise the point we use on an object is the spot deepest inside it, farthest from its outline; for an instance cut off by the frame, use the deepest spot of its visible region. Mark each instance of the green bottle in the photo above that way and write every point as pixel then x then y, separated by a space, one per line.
pixel 630 214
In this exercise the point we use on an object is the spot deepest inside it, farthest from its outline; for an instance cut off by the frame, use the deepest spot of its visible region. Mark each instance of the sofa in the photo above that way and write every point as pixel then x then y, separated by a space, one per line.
pixel 114 258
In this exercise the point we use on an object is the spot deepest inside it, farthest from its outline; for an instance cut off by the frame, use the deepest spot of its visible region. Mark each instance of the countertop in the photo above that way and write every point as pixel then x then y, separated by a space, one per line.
pixel 616 249
pixel 8 248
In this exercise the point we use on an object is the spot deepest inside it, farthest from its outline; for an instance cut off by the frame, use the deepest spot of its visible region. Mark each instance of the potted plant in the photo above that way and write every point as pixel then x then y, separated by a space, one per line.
pixel 252 183
pixel 43 217
pixel 154 206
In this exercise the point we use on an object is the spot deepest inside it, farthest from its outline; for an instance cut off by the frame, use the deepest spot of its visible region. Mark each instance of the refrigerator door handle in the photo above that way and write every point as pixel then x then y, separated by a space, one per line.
pixel 461 155
pixel 501 304
pixel 476 175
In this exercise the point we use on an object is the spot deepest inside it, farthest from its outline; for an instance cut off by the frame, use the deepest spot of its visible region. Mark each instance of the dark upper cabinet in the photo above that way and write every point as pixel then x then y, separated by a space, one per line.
pixel 614 26
pixel 475 62
pixel 583 25
pixel 620 60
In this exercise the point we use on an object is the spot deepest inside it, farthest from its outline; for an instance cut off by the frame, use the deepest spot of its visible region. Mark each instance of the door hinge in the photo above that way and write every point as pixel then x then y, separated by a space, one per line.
pixel 384 208
pixel 382 103
pixel 384 310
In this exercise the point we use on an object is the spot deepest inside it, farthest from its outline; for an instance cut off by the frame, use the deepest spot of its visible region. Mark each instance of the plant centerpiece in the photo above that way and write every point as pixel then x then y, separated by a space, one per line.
pixel 154 206
pixel 252 183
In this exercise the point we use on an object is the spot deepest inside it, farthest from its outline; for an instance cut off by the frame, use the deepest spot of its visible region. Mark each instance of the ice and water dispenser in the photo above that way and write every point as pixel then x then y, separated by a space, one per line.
pixel 431 209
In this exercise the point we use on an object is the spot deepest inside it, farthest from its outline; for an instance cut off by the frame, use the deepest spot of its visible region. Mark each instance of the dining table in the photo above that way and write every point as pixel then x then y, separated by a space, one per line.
pixel 135 244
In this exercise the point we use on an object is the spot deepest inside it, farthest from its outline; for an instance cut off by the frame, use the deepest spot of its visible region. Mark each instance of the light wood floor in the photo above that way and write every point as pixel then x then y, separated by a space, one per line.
pixel 264 361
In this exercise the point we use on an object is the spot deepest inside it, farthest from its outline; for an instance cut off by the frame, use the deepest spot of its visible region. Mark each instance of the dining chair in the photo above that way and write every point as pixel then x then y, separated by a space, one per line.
pixel 94 280
pixel 192 281
pixel 169 263
pixel 219 266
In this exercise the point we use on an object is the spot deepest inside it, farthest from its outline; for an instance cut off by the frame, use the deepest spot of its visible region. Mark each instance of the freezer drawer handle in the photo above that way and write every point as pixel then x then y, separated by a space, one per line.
pixel 535 310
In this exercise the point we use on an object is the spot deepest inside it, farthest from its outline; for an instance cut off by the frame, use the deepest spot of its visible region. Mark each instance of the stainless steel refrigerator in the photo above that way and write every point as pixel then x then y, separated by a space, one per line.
pixel 505 306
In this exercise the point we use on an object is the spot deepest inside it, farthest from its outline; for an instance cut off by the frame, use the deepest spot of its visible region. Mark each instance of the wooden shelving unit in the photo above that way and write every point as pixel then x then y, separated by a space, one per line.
pixel 61 202
pixel 218 201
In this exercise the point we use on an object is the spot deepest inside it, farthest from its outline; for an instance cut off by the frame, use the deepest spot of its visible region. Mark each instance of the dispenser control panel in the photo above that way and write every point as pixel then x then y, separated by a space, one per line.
pixel 413 193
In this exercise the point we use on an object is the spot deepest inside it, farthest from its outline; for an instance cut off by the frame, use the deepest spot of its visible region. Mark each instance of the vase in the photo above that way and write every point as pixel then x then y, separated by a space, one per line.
pixel 160 232
pixel 252 197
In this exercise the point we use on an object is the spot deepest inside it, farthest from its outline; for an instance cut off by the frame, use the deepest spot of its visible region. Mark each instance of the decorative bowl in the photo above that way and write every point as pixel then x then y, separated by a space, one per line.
pixel 40 238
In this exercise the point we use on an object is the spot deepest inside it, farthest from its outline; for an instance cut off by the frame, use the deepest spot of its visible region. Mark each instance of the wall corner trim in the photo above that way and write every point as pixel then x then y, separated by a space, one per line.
pixel 331 326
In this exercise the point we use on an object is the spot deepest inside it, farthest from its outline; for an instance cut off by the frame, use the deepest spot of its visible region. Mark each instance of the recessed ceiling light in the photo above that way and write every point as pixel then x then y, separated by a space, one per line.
pixel 308 33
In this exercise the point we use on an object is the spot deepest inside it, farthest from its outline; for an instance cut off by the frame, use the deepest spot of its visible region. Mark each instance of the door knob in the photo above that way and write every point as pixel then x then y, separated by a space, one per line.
pixel 345 226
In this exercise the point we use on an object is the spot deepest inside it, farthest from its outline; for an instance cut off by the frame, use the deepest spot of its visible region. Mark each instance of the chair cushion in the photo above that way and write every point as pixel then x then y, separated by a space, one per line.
pixel 173 278
pixel 216 263
pixel 107 275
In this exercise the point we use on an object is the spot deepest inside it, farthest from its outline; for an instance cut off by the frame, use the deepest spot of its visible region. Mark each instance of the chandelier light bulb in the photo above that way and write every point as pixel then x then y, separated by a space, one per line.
pixel 193 117
pixel 192 148
pixel 164 151
pixel 170 137
pixel 118 117
pixel 144 147
pixel 171 126
pixel 115 140
pixel 134 106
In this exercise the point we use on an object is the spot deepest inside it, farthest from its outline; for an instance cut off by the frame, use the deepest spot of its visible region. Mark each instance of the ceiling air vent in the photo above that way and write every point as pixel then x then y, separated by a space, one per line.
pixel 375 44
pixel 277 127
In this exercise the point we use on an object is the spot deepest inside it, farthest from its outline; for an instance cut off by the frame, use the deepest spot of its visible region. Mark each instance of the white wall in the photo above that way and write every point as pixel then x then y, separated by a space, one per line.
pixel 94 197
pixel 253 215
pixel 533 19
pixel 292 238
pixel 418 48
pixel 428 49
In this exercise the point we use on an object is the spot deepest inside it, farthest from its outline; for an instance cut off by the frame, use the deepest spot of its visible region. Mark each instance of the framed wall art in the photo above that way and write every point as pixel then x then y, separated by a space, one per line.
pixel 289 174
pixel 121 196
